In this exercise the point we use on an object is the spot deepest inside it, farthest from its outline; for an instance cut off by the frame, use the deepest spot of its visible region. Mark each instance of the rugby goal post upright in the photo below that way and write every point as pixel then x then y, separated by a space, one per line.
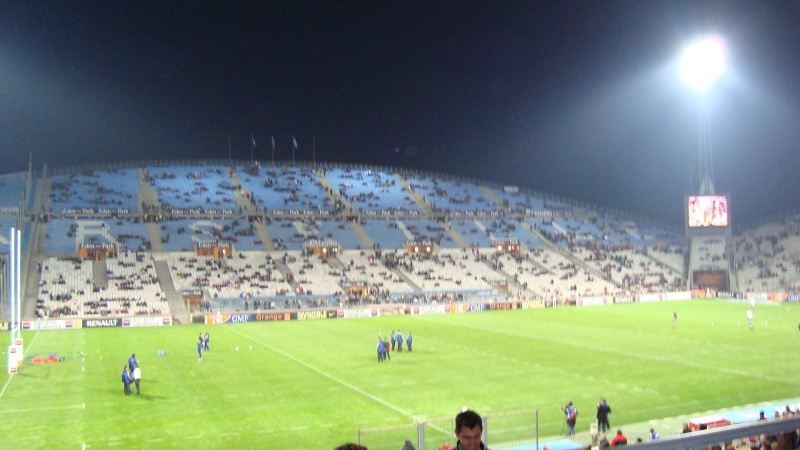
pixel 15 348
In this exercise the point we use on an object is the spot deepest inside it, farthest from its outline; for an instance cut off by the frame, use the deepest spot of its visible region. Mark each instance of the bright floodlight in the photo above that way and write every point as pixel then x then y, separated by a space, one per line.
pixel 703 63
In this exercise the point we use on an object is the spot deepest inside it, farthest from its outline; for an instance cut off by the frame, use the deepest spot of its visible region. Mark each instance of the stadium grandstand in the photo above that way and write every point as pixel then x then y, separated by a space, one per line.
pixel 193 241
pixel 181 238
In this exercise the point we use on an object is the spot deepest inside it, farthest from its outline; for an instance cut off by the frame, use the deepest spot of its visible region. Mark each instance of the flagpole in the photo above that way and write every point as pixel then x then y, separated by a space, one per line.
pixel 294 148
pixel 314 151
pixel 229 147
pixel 252 141
pixel 273 149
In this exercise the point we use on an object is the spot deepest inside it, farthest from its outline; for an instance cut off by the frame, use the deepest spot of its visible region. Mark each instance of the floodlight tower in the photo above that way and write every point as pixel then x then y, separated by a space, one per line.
pixel 702 64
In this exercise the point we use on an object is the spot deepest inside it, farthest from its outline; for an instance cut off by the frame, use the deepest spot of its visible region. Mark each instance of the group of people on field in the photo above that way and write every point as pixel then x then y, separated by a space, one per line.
pixel 395 341
pixel 131 374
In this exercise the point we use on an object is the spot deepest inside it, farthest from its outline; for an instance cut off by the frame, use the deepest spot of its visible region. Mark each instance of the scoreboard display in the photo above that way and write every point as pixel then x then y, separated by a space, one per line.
pixel 707 211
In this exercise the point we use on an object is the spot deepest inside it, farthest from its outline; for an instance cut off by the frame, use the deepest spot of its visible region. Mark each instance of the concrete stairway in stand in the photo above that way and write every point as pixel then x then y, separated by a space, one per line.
pixel 175 300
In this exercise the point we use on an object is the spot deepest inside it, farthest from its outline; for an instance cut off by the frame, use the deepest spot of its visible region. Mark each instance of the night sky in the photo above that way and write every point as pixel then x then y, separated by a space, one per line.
pixel 575 98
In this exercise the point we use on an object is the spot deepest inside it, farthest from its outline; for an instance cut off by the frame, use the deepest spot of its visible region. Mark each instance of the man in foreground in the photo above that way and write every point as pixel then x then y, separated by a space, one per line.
pixel 469 427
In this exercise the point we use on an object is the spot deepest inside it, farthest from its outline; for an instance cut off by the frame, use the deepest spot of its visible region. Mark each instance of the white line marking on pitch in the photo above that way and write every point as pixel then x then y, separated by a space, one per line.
pixel 52 408
pixel 326 374
pixel 12 375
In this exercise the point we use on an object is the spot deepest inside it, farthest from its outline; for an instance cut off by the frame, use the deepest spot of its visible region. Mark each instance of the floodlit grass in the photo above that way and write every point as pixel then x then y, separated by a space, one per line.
pixel 313 384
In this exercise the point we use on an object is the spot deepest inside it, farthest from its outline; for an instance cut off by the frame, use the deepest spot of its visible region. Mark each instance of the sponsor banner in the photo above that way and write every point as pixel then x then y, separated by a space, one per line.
pixel 313 315
pixel 476 307
pixel 209 211
pixel 501 306
pixel 358 313
pixel 533 304
pixel 105 211
pixel 624 299
pixel 467 307
pixel 296 212
pixel 473 213
pixel 157 321
pixel 4 325
pixel 458 308
pixel 102 323
pixel 9 209
pixel 392 213
pixel 270 317
pixel 215 319
pixel 648 298
pixel 98 246
pixel 192 293
pixel 758 295
pixel 41 325
pixel 421 310
pixel 672 296
pixel 547 213
pixel 778 296
pixel 592 301
pixel 794 298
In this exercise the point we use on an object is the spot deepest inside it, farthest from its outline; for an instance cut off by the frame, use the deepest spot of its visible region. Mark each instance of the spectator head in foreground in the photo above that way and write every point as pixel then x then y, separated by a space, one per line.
pixel 350 446
pixel 469 427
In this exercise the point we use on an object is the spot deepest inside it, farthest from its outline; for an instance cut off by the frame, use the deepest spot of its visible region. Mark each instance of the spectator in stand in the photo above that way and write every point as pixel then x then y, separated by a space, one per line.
pixel 653 436
pixel 408 445
pixel 619 439
pixel 446 446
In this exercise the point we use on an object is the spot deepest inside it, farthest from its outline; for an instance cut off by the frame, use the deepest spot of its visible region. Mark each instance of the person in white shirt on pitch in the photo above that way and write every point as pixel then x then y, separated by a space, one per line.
pixel 137 375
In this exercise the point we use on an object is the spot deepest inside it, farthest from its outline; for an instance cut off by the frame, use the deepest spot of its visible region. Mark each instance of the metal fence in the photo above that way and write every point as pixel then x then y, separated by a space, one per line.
pixel 515 429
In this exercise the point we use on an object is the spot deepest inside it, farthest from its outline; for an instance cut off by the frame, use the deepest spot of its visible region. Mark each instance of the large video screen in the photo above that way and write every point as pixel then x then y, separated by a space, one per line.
pixel 708 211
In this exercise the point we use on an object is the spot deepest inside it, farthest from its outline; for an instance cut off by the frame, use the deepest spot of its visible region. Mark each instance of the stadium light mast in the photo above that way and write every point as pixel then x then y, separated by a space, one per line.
pixel 702 64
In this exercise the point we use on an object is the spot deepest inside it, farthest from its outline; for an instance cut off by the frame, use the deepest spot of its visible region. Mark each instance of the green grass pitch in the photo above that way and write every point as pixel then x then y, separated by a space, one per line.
pixel 313 384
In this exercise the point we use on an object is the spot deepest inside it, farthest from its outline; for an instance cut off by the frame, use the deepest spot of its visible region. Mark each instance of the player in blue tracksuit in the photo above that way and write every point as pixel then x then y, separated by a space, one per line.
pixel 381 350
pixel 132 362
pixel 126 380
pixel 206 338
pixel 408 341
pixel 399 341
pixel 394 340
pixel 200 348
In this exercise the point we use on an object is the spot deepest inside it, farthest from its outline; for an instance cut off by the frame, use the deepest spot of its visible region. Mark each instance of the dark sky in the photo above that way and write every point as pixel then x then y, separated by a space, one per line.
pixel 575 98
